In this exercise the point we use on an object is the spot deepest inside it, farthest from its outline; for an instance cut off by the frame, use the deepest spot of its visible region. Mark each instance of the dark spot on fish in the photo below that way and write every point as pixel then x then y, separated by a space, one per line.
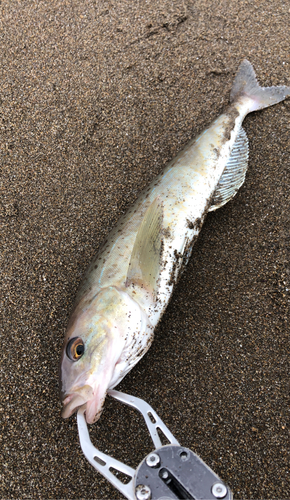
pixel 177 255
pixel 161 249
pixel 173 275
pixel 189 224
pixel 217 152
pixel 166 232
pixel 207 207
pixel 232 113
pixel 188 250
pixel 198 223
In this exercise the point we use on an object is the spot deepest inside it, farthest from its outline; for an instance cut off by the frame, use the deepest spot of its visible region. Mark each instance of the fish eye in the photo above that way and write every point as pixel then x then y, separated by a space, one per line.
pixel 75 349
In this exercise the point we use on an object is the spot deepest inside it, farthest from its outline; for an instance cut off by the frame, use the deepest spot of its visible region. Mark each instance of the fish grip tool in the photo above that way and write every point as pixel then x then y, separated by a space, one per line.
pixel 169 472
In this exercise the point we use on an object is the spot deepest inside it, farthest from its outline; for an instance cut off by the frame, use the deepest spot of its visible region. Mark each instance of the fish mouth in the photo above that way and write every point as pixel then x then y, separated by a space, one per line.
pixel 72 404
pixel 93 399
pixel 75 399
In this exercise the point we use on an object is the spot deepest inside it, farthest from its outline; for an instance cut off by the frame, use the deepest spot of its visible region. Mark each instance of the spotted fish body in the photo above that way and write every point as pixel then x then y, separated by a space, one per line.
pixel 129 283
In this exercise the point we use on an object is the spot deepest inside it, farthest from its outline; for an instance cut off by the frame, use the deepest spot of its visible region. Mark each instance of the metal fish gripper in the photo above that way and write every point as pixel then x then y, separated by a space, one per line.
pixel 169 472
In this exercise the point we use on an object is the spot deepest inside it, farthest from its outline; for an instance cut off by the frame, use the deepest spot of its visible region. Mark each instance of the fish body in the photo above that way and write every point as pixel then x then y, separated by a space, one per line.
pixel 129 283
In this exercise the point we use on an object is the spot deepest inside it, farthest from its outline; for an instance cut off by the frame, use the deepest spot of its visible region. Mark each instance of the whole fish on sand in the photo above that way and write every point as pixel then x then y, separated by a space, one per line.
pixel 129 283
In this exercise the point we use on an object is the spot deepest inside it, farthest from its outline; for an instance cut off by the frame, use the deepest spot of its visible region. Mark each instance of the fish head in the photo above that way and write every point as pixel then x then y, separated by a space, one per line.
pixel 86 364
pixel 93 350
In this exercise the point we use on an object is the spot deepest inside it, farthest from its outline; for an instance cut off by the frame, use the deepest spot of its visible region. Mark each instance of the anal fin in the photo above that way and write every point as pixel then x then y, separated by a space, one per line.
pixel 234 173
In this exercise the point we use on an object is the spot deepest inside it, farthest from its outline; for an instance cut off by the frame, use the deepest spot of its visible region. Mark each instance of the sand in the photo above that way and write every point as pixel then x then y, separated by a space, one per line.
pixel 96 97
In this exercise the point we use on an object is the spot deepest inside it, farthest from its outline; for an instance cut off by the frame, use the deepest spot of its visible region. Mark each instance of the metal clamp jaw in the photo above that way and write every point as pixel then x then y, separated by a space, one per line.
pixel 170 472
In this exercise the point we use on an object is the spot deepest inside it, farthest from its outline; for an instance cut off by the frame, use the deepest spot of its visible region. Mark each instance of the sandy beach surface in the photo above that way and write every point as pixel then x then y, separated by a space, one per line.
pixel 96 97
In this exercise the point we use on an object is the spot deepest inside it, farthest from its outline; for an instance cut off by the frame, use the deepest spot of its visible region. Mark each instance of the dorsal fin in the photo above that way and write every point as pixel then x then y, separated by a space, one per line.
pixel 145 259
pixel 234 173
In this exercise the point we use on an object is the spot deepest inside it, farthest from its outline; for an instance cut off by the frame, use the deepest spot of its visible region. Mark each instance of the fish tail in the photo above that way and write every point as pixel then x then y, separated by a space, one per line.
pixel 246 85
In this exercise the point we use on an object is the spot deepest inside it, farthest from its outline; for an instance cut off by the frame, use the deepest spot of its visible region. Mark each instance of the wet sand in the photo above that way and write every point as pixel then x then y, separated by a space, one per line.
pixel 95 98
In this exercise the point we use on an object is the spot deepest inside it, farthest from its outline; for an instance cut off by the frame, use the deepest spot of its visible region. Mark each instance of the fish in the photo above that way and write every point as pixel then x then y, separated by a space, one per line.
pixel 129 283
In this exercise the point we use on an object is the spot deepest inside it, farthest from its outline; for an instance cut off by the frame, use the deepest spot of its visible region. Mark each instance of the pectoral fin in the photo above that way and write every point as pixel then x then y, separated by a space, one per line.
pixel 145 259
pixel 234 173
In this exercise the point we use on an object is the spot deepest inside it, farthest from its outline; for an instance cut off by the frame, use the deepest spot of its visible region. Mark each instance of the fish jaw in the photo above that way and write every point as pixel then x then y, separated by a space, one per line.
pixel 92 395
pixel 76 399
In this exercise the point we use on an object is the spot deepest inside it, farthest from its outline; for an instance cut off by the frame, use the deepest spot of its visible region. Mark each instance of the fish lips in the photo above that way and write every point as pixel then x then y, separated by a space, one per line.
pixel 94 401
pixel 75 399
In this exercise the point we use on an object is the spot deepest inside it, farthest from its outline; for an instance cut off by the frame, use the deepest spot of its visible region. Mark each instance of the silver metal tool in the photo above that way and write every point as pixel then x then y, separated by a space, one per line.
pixel 169 472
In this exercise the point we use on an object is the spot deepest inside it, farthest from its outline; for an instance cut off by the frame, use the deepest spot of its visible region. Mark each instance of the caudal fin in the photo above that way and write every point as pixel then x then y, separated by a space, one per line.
pixel 246 85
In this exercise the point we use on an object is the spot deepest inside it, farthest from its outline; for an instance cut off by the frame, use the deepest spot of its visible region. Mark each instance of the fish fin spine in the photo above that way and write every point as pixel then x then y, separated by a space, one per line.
pixel 246 85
